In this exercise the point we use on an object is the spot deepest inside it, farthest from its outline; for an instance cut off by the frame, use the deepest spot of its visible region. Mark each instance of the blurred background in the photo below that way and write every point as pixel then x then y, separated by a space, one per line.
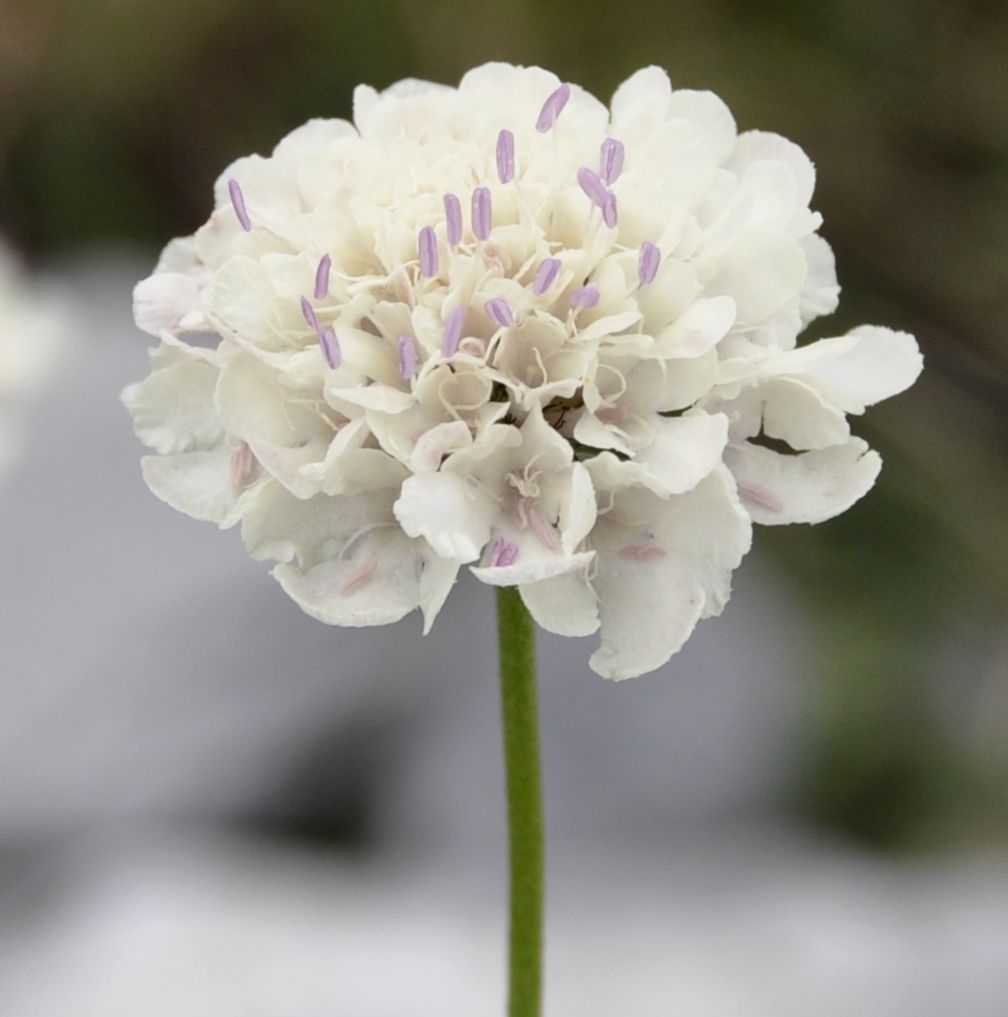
pixel 211 805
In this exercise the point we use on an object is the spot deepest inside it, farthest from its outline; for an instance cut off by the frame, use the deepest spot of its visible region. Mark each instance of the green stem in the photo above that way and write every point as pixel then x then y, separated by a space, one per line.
pixel 516 636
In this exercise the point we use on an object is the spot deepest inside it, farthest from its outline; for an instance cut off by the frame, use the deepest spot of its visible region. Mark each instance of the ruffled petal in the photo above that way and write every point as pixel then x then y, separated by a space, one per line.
pixel 663 564
pixel 807 488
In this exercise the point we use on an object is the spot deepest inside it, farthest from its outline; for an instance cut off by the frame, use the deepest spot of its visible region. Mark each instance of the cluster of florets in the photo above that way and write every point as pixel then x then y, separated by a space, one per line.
pixel 504 326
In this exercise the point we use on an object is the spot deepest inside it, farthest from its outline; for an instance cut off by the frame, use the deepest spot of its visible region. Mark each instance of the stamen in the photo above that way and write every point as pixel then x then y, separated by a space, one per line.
pixel 242 462
pixel 552 108
pixel 610 210
pixel 453 219
pixel 585 297
pixel 482 213
pixel 502 553
pixel 592 186
pixel 427 247
pixel 505 156
pixel 545 276
pixel 641 551
pixel 647 264
pixel 309 314
pixel 452 332
pixel 500 312
pixel 359 578
pixel 759 496
pixel 409 356
pixel 238 204
pixel 330 348
pixel 322 277
pixel 611 160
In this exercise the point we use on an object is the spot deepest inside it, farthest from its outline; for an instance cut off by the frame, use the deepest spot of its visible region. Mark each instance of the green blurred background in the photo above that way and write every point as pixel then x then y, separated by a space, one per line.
pixel 116 116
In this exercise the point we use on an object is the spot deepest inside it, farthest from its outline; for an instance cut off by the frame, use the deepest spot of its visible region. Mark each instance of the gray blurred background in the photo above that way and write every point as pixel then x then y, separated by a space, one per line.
pixel 212 805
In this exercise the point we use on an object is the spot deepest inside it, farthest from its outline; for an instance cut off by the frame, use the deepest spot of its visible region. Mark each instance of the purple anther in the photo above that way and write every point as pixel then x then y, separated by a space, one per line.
pixel 610 210
pixel 330 348
pixel 452 332
pixel 482 213
pixel 322 277
pixel 611 160
pixel 647 264
pixel 586 296
pixel 500 312
pixel 427 247
pixel 502 553
pixel 453 219
pixel 409 356
pixel 592 186
pixel 552 108
pixel 238 204
pixel 309 314
pixel 505 156
pixel 545 276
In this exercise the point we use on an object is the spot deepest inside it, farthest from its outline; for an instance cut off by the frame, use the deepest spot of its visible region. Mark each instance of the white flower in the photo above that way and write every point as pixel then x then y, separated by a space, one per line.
pixel 504 326
pixel 32 321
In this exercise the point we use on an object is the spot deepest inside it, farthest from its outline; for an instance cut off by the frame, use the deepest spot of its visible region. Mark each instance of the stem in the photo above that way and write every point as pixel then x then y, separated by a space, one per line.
pixel 516 636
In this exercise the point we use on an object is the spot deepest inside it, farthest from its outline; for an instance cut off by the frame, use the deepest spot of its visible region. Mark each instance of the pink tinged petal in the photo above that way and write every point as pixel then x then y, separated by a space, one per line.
pixel 482 213
pixel 585 297
pixel 238 204
pixel 546 533
pixel 502 553
pixel 613 414
pixel 592 186
pixel 610 210
pixel 409 356
pixel 452 332
pixel 359 578
pixel 330 348
pixel 427 249
pixel 309 314
pixel 759 496
pixel 545 276
pixel 505 156
pixel 499 311
pixel 322 277
pixel 648 262
pixel 242 462
pixel 642 551
pixel 453 219
pixel 552 108
pixel 611 160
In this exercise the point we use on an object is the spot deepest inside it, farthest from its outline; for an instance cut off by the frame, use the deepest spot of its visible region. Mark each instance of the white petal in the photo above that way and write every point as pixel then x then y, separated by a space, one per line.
pixel 565 605
pixel 376 583
pixel 199 484
pixel 533 567
pixel 821 293
pixel 578 510
pixel 808 488
pixel 762 270
pixel 437 578
pixel 167 301
pixel 454 517
pixel 881 364
pixel 650 603
pixel 683 450
pixel 698 330
pixel 646 92
pixel 173 408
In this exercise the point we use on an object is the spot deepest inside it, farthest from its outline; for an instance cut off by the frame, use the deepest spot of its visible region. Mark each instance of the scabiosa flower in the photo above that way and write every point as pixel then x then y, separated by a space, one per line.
pixel 502 326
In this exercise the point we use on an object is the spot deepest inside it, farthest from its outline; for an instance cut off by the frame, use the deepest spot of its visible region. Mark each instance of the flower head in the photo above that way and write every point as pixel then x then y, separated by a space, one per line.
pixel 504 326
